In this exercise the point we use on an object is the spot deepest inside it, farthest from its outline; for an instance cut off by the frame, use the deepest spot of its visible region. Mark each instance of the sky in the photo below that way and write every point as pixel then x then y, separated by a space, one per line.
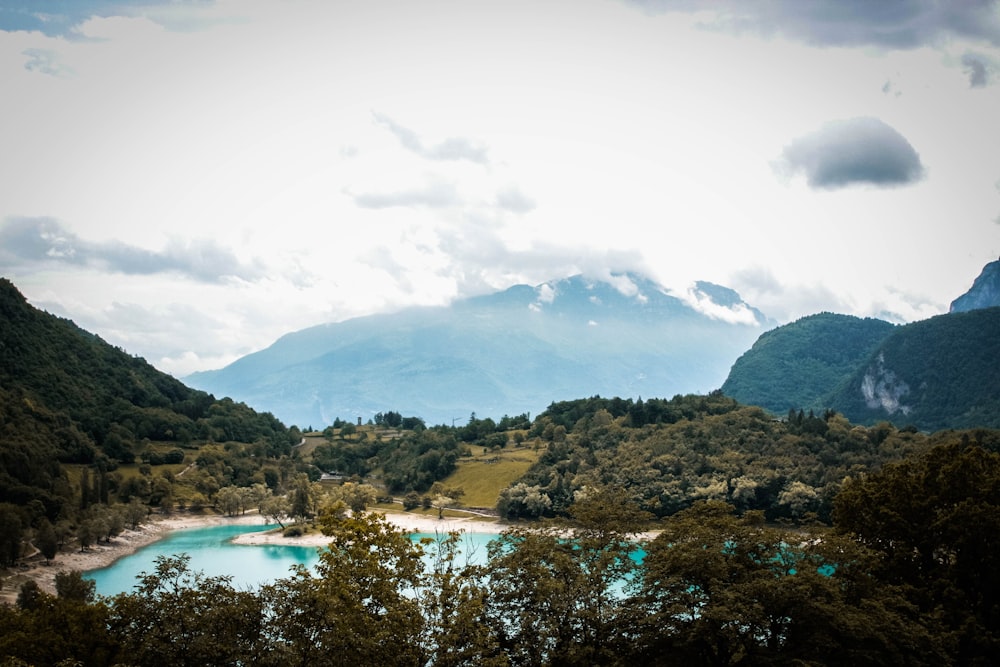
pixel 191 179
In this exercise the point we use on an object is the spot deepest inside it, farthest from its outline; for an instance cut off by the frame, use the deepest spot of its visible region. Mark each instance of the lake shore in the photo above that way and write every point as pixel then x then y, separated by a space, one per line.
pixel 415 523
pixel 158 527
pixel 104 554
pixel 128 542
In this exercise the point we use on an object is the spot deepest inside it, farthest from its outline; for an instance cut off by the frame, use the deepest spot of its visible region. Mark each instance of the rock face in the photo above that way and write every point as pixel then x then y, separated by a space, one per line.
pixel 882 388
pixel 984 293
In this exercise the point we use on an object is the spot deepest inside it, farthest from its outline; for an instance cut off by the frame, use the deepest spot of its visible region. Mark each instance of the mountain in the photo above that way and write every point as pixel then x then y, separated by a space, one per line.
pixel 984 293
pixel 935 374
pixel 797 366
pixel 68 396
pixel 510 352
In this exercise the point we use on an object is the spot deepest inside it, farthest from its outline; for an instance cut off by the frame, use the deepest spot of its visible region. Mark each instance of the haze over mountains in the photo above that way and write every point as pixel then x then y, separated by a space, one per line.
pixel 510 352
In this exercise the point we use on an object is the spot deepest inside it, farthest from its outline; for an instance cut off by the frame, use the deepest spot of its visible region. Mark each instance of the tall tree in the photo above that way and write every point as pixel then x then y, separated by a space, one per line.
pixel 360 603
pixel 934 521
pixel 721 590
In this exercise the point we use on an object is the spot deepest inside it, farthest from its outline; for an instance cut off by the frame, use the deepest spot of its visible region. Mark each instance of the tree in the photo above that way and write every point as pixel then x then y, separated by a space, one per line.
pixel 358 496
pixel 10 534
pixel 360 603
pixel 300 498
pixel 453 605
pixel 411 501
pixel 445 496
pixel 934 521
pixel 717 589
pixel 46 540
pixel 229 500
pixel 275 509
pixel 72 586
pixel 135 513
pixel 179 617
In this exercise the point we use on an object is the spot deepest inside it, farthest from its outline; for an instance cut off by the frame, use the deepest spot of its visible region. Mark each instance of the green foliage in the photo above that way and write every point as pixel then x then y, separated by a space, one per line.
pixel 934 521
pixel 700 448
pixel 66 396
pixel 942 370
pixel 908 578
pixel 798 365
pixel 716 589
pixel 949 367
pixel 177 617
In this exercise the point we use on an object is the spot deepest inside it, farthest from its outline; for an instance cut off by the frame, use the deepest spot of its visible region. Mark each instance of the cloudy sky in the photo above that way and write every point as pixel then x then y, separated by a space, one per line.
pixel 190 179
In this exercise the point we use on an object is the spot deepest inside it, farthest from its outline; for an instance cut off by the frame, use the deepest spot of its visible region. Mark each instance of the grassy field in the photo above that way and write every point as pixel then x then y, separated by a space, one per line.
pixel 483 476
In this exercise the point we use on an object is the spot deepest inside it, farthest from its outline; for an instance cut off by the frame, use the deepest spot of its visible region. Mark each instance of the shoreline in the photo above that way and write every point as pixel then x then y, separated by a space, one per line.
pixel 128 542
pixel 414 523
pixel 104 554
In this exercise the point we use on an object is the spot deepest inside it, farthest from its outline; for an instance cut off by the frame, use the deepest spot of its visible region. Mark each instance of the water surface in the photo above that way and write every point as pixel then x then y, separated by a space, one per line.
pixel 212 552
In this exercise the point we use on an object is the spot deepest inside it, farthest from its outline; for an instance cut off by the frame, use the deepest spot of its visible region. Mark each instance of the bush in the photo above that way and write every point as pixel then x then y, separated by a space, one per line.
pixel 292 531
pixel 411 501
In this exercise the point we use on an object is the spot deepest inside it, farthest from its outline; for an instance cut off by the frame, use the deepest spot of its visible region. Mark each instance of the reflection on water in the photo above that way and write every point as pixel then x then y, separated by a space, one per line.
pixel 213 553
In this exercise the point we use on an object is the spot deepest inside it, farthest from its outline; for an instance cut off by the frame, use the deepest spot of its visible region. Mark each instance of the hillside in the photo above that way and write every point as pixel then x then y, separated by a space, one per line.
pixel 70 400
pixel 506 353
pixel 935 374
pixel 797 366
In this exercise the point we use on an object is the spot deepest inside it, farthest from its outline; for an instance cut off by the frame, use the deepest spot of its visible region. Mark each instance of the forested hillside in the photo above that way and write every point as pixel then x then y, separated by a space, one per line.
pixel 669 454
pixel 86 427
pixel 798 365
pixel 934 374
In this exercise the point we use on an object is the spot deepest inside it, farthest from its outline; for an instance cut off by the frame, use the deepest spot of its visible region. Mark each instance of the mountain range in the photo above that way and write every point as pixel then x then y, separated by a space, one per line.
pixel 510 352
pixel 937 373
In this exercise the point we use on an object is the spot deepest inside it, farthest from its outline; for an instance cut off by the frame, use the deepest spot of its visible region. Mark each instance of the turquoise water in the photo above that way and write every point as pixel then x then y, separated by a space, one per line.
pixel 213 553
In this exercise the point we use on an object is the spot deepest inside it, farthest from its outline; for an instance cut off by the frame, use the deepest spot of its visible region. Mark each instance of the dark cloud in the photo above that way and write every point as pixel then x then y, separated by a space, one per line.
pixel 852 152
pixel 977 70
pixel 454 148
pixel 896 24
pixel 435 195
pixel 35 240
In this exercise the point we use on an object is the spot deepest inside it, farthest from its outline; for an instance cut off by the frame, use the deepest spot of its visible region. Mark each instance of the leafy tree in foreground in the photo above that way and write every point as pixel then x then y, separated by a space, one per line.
pixel 720 590
pixel 934 522
pixel 179 617
pixel 360 602
pixel 555 596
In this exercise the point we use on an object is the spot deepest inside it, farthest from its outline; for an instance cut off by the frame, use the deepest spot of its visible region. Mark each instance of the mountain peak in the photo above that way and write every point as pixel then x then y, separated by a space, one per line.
pixel 508 352
pixel 984 293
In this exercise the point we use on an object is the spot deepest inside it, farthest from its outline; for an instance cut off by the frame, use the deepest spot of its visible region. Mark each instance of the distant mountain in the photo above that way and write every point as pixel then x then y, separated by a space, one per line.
pixel 798 366
pixel 984 293
pixel 935 374
pixel 510 352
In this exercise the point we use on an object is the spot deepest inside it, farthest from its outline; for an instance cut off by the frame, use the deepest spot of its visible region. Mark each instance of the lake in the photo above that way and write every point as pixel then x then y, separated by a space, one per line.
pixel 213 553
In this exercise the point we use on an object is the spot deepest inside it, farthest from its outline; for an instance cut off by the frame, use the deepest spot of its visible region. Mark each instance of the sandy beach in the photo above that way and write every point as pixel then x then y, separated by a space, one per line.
pixel 106 553
pixel 416 523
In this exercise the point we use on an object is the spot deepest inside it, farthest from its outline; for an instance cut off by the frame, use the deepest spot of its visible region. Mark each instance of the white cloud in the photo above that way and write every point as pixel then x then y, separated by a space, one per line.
pixel 253 168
